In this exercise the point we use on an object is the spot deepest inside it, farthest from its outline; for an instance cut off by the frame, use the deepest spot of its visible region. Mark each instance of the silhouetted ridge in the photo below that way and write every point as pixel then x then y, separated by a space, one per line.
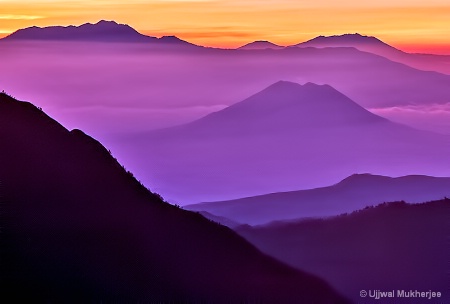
pixel 348 38
pixel 366 179
pixel 102 31
pixel 376 46
pixel 171 39
pixel 42 120
pixel 260 45
pixel 390 244
pixel 355 179
pixel 345 40
pixel 77 227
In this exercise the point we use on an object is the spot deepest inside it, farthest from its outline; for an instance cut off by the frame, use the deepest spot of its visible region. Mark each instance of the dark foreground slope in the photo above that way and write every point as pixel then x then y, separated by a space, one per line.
pixel 76 227
pixel 389 247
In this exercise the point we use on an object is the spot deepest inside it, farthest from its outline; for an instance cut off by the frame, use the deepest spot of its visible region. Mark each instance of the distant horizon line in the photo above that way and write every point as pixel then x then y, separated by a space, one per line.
pixel 425 49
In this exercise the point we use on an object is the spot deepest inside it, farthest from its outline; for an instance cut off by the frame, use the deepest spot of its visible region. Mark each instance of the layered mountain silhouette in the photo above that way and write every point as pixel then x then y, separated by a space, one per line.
pixel 260 45
pixel 284 138
pixel 394 246
pixel 203 77
pixel 77 227
pixel 439 63
pixel 353 193
pixel 427 62
pixel 102 31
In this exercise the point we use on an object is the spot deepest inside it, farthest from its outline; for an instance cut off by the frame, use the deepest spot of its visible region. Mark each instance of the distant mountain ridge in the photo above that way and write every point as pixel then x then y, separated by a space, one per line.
pixel 439 63
pixel 102 31
pixel 77 227
pixel 356 40
pixel 346 40
pixel 365 43
pixel 110 31
pixel 352 193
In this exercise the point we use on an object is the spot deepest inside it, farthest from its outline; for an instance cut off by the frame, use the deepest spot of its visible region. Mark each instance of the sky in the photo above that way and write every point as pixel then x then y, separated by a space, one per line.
pixel 411 25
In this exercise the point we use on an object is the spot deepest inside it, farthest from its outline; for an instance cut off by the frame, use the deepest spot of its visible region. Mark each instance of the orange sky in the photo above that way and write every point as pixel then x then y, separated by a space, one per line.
pixel 412 25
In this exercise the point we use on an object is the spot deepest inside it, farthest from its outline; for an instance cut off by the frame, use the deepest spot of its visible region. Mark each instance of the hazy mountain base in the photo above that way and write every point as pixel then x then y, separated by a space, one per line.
pixel 286 137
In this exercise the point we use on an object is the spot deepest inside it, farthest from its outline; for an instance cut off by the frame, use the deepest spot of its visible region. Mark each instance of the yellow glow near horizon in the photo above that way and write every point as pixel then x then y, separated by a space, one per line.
pixel 410 24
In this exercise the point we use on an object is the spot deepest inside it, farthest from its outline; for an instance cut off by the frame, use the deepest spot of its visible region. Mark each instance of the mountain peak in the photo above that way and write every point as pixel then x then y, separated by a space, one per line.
pixel 348 38
pixel 356 40
pixel 289 87
pixel 287 103
pixel 359 178
pixel 103 31
pixel 174 40
pixel 286 84
pixel 260 45
pixel 283 84
pixel 108 22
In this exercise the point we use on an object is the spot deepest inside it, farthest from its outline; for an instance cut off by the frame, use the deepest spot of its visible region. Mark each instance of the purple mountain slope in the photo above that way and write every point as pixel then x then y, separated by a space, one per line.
pixel 78 228
pixel 352 193
pixel 288 105
pixel 393 246
pixel 260 45
pixel 102 31
pixel 438 63
pixel 286 137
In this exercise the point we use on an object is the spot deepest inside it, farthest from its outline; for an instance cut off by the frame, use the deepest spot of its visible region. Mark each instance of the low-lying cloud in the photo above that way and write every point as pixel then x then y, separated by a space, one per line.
pixel 433 117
